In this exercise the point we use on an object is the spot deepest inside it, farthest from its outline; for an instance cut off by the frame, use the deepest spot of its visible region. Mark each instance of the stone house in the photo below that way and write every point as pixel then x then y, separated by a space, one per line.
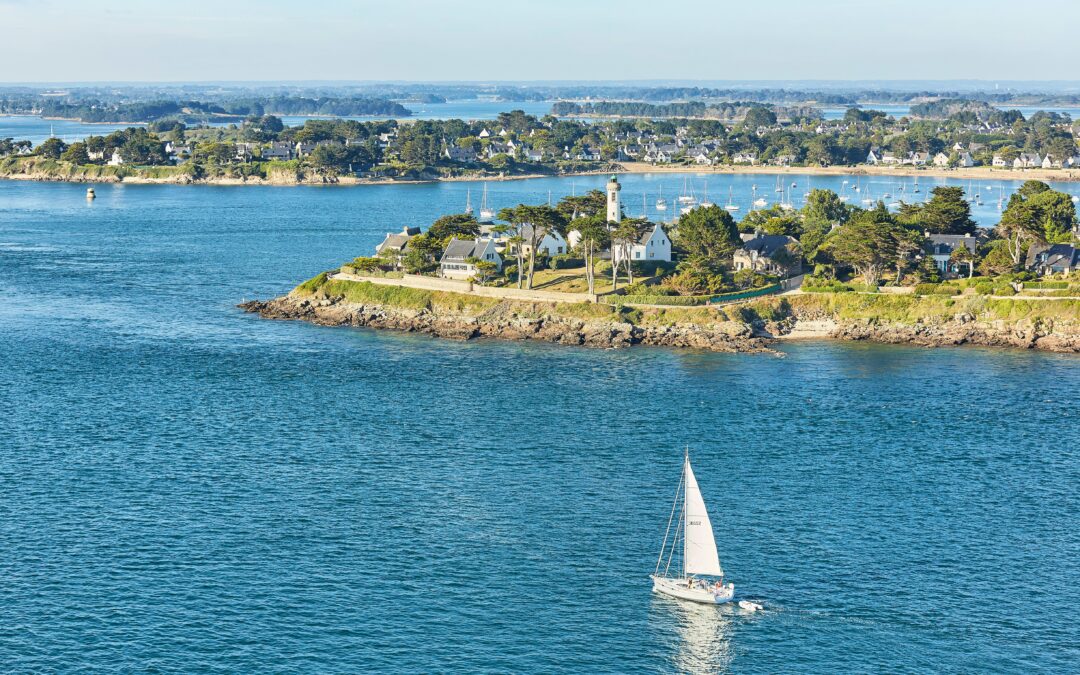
pixel 769 254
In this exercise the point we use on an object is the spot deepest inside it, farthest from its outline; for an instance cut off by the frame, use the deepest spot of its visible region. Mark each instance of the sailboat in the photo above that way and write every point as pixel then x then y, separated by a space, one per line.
pixel 687 196
pixel 698 557
pixel 844 197
pixel 758 201
pixel 661 203
pixel 868 199
pixel 705 203
pixel 916 189
pixel 487 214
pixel 731 205
pixel 468 203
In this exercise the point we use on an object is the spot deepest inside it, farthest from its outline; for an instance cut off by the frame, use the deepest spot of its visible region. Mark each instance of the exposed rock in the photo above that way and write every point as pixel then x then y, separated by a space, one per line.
pixel 724 336
pixel 964 329
pixel 535 321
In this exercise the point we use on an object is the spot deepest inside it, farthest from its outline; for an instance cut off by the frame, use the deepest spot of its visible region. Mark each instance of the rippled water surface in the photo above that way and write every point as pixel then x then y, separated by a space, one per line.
pixel 188 488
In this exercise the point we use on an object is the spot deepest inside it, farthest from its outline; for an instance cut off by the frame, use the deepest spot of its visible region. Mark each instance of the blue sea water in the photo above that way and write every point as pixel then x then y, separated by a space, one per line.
pixel 186 488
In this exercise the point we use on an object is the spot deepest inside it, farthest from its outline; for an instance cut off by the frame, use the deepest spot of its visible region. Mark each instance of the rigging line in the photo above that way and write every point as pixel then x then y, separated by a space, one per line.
pixel 678 529
pixel 670 518
pixel 674 545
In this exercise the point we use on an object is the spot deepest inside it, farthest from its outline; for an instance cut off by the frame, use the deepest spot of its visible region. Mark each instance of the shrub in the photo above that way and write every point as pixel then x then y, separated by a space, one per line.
pixel 1047 285
pixel 936 289
pixel 1004 289
pixel 313 284
pixel 675 300
pixel 984 288
pixel 365 264
pixel 564 261
pixel 862 288
pixel 820 286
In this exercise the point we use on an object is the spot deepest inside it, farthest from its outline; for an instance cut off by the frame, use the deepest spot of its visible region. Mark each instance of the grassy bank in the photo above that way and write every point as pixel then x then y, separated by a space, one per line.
pixel 472 305
pixel 42 168
pixel 910 309
pixel 881 309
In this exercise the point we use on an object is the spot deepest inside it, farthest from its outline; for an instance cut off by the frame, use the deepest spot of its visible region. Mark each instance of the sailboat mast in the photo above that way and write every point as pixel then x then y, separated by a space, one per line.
pixel 682 519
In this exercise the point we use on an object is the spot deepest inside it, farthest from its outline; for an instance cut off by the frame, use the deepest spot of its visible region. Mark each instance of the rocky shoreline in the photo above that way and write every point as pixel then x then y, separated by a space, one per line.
pixel 537 321
pixel 961 329
pixel 506 322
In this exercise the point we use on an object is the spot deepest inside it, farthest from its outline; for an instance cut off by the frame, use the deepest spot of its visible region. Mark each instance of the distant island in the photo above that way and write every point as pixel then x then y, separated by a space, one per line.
pixel 581 272
pixel 195 112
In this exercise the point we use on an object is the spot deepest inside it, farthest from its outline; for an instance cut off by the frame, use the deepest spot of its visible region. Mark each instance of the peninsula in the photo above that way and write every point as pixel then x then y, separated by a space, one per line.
pixel 582 273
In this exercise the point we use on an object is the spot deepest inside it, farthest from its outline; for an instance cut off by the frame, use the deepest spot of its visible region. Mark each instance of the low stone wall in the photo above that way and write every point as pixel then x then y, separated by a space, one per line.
pixel 458 286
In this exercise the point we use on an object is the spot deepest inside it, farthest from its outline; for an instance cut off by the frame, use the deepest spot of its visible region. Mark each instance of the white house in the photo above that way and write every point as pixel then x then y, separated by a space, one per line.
pixel 551 242
pixel 116 159
pixel 941 159
pixel 456 154
pixel 702 158
pixel 1027 161
pixel 458 261
pixel 653 246
pixel 999 162
pixel 966 160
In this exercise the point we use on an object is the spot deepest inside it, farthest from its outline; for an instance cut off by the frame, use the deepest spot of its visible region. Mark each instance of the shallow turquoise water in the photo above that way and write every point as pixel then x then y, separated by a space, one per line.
pixel 188 488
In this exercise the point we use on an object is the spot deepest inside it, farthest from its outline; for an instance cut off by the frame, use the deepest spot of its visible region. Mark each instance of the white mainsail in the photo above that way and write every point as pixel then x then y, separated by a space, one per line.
pixel 699 546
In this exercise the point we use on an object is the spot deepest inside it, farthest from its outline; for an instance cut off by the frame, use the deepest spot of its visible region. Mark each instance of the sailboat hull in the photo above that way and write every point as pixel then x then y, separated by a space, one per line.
pixel 678 588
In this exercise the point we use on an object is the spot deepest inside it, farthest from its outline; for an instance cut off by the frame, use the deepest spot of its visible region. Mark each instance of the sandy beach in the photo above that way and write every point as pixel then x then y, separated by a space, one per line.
pixel 973 173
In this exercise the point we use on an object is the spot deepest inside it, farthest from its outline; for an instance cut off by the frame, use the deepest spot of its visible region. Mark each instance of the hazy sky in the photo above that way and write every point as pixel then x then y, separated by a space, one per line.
pixel 170 40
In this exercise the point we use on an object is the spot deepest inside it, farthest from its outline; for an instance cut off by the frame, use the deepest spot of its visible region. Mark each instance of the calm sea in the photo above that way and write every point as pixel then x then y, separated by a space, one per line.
pixel 187 488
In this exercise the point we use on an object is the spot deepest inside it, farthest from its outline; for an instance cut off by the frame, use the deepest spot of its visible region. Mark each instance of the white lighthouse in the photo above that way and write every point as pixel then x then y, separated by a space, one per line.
pixel 614 212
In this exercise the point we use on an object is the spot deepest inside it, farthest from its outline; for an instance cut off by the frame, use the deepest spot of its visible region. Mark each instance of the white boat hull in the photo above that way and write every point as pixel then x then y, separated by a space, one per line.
pixel 678 588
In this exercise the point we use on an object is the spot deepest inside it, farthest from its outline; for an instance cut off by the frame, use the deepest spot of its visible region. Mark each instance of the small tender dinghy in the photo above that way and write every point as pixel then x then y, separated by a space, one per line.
pixel 749 606
pixel 699 556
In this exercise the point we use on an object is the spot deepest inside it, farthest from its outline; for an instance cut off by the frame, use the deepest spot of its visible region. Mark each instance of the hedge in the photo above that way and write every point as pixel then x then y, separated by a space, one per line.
pixel 835 287
pixel 1047 285
pixel 936 289
pixel 691 300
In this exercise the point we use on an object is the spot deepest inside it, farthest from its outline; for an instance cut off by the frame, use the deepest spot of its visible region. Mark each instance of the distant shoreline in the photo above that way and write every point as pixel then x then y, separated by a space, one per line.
pixel 98 174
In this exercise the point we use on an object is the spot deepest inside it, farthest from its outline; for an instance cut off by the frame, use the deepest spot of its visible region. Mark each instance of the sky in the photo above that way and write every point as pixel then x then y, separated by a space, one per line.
pixel 530 40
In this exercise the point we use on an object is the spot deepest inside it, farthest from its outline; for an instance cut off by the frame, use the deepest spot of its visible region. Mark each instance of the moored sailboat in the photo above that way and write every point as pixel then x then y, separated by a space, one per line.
pixel 699 557
pixel 731 205
pixel 487 214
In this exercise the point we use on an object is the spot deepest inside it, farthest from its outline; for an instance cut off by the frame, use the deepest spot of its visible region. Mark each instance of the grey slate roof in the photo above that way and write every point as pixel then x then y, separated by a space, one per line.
pixel 1060 256
pixel 767 244
pixel 945 244
pixel 462 249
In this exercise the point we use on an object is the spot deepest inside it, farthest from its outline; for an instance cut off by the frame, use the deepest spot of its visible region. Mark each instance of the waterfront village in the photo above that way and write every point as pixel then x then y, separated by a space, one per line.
pixel 939 136
pixel 586 244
